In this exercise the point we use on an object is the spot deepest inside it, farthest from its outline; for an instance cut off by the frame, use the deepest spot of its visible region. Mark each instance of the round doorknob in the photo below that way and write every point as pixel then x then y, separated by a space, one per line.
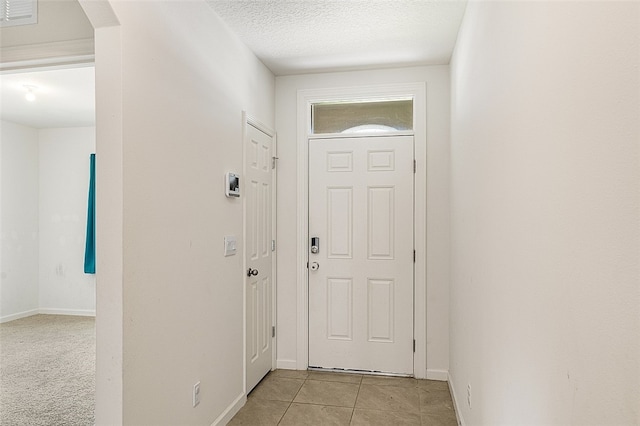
pixel 314 266
pixel 252 272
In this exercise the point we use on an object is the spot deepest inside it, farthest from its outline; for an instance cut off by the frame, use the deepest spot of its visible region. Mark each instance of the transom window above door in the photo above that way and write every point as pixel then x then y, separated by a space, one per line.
pixel 353 117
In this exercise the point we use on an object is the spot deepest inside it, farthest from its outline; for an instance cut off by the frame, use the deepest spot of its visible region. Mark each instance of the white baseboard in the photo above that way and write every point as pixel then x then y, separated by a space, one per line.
pixel 19 315
pixel 442 375
pixel 231 410
pixel 49 311
pixel 455 403
pixel 74 312
pixel 287 364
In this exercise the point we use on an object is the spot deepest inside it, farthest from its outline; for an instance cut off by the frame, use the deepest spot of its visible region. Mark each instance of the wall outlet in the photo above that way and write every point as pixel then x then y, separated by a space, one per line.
pixel 469 394
pixel 196 394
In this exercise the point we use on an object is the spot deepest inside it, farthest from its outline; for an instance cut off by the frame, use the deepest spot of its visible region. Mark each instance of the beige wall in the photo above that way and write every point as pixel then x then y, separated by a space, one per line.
pixel 19 192
pixel 62 30
pixel 545 214
pixel 171 85
pixel 58 20
pixel 64 155
pixel 43 205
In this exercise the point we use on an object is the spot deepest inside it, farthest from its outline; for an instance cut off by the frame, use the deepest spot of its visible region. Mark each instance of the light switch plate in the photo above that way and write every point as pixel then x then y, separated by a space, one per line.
pixel 230 243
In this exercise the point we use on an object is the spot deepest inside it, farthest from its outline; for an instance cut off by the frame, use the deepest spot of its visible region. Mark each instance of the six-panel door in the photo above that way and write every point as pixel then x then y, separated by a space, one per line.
pixel 361 294
pixel 258 192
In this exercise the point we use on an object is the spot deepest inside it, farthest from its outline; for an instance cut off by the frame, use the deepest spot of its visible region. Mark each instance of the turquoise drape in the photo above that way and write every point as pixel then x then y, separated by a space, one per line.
pixel 90 247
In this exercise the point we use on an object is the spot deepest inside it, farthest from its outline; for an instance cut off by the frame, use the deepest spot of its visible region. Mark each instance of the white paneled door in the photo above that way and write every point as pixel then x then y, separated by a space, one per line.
pixel 361 275
pixel 258 254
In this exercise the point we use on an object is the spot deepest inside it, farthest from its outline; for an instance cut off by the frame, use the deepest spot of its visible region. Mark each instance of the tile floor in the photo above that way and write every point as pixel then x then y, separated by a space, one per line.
pixel 292 397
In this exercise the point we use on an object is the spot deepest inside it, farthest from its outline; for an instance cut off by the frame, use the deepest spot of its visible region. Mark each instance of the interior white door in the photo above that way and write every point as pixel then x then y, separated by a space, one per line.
pixel 258 254
pixel 361 278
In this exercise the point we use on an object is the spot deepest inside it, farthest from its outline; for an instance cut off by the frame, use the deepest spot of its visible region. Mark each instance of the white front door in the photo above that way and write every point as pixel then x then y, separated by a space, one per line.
pixel 258 254
pixel 361 277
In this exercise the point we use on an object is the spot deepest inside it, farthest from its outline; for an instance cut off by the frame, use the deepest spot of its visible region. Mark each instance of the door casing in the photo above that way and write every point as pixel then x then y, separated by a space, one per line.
pixel 305 99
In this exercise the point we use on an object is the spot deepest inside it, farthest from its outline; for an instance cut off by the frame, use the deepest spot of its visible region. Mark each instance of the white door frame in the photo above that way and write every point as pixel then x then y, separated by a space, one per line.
pixel 305 99
pixel 248 120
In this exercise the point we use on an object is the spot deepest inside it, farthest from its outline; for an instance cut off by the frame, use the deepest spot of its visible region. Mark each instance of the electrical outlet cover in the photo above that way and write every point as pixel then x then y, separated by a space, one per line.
pixel 230 244
pixel 196 394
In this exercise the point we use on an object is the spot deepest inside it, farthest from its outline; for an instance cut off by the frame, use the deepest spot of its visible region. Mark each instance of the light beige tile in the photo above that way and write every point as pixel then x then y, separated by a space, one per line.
pixel 328 393
pixel 289 374
pixel 334 377
pixel 435 398
pixel 277 389
pixel 389 381
pixel 433 384
pixel 444 418
pixel 384 418
pixel 308 414
pixel 258 412
pixel 388 398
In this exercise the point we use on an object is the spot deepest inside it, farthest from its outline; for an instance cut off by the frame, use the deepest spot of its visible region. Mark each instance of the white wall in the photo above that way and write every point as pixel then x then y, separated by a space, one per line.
pixel 437 81
pixel 19 221
pixel 545 292
pixel 64 186
pixel 178 81
pixel 44 206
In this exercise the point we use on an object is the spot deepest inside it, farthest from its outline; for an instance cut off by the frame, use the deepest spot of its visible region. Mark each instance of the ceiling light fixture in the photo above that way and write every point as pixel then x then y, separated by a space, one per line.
pixel 30 96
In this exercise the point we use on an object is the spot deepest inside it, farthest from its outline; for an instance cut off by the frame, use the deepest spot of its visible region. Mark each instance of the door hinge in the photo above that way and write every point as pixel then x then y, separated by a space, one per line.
pixel 414 256
pixel 414 345
pixel 273 245
pixel 415 166
pixel 273 162
pixel 273 332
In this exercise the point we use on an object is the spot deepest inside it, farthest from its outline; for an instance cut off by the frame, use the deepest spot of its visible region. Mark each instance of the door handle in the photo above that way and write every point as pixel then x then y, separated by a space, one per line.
pixel 314 266
pixel 252 272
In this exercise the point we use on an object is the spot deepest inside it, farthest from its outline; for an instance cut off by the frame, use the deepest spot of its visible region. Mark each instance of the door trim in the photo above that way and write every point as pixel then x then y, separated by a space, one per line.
pixel 305 99
pixel 249 120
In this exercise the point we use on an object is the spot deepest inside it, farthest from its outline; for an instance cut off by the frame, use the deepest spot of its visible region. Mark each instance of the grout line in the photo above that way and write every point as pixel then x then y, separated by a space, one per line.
pixel 356 401
pixel 416 387
pixel 292 399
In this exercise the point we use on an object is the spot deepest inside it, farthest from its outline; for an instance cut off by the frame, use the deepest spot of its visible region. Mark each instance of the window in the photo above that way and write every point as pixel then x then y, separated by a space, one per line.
pixel 382 116
pixel 18 12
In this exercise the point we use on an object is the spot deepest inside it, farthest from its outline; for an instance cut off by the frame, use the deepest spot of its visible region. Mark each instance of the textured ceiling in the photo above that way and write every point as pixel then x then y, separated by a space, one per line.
pixel 303 36
pixel 64 98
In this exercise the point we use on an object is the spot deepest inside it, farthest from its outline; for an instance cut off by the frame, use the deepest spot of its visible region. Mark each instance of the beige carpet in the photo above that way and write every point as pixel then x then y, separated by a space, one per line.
pixel 47 371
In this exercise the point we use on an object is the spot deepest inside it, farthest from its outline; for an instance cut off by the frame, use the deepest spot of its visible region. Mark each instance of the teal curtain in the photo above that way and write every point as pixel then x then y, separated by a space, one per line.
pixel 90 247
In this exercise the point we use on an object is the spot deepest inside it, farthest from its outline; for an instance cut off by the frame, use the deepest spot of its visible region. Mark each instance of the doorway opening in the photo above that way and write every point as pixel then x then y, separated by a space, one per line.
pixel 48 136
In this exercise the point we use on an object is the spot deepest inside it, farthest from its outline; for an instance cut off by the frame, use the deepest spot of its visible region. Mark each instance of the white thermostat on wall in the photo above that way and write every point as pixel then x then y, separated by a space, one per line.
pixel 231 185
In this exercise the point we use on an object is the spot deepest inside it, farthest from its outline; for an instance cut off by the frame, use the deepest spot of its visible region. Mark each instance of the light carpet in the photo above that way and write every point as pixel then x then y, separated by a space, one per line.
pixel 47 371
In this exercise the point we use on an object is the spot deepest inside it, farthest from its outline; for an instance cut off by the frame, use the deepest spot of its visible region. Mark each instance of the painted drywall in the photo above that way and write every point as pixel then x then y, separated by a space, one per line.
pixel 437 82
pixel 19 221
pixel 64 182
pixel 58 21
pixel 44 202
pixel 109 215
pixel 179 81
pixel 62 35
pixel 545 214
